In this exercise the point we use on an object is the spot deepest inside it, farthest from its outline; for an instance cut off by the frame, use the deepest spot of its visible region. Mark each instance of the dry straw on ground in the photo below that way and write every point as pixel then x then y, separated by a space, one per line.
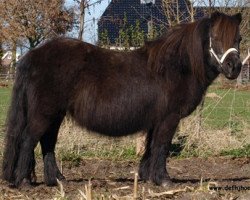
pixel 205 140
pixel 202 139
pixel 74 138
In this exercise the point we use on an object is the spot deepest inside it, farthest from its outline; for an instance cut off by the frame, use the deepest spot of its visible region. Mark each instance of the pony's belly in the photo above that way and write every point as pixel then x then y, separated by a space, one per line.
pixel 118 122
pixel 115 128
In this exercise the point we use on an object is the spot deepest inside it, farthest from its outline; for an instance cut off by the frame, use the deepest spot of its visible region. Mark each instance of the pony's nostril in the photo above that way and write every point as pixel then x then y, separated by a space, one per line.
pixel 229 64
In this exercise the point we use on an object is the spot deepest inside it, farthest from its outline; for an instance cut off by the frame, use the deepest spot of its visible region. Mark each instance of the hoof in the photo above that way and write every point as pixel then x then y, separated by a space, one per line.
pixel 54 182
pixel 25 185
pixel 167 184
pixel 33 177
pixel 143 178
pixel 62 180
pixel 52 178
pixel 60 177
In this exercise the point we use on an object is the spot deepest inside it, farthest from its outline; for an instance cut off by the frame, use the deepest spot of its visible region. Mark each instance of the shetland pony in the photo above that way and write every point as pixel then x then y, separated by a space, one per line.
pixel 116 93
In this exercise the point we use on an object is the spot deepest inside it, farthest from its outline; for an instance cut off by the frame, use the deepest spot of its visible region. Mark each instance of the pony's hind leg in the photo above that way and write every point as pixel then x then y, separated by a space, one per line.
pixel 37 128
pixel 48 142
pixel 25 169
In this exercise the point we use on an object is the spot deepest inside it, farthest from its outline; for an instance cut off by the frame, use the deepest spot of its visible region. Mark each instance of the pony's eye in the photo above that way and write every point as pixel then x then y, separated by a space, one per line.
pixel 240 39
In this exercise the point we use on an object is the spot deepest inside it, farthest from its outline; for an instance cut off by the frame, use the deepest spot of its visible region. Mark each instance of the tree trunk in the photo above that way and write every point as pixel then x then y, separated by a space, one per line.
pixel 82 17
pixel 1 49
pixel 13 54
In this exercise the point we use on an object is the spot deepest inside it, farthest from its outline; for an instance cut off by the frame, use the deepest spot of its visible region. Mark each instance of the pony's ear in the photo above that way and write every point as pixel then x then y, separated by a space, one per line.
pixel 238 17
pixel 214 16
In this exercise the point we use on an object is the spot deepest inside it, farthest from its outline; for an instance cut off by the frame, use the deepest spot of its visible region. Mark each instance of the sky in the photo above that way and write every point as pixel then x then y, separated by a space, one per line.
pixel 91 17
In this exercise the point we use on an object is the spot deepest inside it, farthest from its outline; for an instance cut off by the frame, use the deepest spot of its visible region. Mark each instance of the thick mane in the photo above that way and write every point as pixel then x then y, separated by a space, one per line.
pixel 183 45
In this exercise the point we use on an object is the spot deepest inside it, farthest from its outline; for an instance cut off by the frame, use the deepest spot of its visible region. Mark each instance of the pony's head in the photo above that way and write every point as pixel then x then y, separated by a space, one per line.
pixel 224 41
pixel 209 44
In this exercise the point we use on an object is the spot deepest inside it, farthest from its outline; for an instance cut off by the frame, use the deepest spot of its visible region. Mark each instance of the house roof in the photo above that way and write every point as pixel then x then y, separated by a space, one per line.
pixel 112 19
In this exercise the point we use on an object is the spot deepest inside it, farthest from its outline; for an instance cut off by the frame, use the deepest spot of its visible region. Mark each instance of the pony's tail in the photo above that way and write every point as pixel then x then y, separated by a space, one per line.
pixel 15 127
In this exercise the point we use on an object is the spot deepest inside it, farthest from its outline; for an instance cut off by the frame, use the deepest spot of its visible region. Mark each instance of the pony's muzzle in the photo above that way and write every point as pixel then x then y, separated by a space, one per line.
pixel 232 66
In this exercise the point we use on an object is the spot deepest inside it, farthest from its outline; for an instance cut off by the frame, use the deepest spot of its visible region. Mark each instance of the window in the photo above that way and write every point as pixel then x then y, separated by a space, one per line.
pixel 147 1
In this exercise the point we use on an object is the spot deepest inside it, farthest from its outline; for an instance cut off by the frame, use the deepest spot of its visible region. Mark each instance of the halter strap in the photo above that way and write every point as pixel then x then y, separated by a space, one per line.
pixel 212 52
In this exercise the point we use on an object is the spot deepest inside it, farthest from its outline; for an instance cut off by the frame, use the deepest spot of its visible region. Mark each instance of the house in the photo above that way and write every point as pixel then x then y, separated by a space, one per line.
pixel 7 59
pixel 150 14
pixel 6 66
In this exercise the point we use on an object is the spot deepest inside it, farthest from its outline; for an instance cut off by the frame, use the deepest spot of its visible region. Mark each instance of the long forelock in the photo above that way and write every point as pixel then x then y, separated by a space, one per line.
pixel 226 29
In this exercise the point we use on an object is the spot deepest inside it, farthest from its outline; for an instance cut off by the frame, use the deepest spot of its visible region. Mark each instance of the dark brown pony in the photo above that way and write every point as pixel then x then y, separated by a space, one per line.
pixel 115 93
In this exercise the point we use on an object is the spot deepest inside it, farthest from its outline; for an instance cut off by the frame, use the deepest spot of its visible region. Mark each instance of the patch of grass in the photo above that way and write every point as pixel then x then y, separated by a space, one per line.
pixel 5 95
pixel 194 153
pixel 240 152
pixel 230 111
pixel 128 153
pixel 116 153
pixel 73 157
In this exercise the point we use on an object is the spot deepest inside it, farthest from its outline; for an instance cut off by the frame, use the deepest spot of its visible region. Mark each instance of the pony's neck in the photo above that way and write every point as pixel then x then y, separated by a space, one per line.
pixel 211 75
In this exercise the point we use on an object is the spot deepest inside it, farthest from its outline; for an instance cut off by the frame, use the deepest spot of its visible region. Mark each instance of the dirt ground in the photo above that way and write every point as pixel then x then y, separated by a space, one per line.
pixel 115 180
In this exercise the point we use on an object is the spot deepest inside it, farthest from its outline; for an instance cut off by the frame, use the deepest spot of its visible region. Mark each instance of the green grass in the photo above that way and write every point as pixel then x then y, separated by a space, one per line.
pixel 241 152
pixel 5 94
pixel 116 153
pixel 231 111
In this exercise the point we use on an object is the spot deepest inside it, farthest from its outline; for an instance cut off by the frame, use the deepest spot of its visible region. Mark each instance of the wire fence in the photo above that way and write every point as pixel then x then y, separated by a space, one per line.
pixel 225 116
pixel 7 77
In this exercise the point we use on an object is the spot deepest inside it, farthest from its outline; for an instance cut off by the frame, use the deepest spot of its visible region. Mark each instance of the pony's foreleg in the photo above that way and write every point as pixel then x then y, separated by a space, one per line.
pixel 159 148
pixel 48 142
pixel 145 161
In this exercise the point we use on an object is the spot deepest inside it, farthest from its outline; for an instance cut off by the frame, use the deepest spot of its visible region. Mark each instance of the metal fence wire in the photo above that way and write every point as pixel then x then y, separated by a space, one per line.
pixel 225 118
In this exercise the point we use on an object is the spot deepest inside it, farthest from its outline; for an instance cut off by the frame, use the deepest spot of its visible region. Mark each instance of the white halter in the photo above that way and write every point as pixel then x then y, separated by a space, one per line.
pixel 212 52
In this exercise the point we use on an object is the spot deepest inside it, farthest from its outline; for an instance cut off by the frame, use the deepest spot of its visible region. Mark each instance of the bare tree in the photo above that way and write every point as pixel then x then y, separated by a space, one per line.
pixel 175 15
pixel 83 6
pixel 1 48
pixel 33 20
